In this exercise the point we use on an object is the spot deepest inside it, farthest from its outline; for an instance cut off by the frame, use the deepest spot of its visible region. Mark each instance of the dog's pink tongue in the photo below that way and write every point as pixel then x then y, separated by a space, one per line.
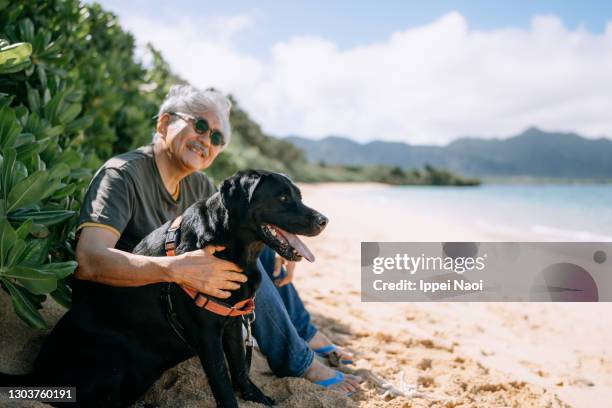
pixel 298 245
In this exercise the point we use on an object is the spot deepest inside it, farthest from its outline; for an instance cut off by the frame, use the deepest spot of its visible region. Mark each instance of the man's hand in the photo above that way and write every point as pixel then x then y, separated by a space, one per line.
pixel 279 261
pixel 206 273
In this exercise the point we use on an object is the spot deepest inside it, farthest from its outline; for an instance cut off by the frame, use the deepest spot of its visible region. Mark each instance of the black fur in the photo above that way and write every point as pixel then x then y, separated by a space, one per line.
pixel 114 343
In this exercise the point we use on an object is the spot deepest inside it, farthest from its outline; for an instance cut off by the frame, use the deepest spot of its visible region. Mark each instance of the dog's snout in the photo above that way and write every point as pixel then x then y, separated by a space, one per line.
pixel 321 221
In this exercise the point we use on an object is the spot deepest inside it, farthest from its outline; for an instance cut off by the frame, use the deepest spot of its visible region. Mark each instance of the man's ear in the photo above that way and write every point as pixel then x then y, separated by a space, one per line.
pixel 162 125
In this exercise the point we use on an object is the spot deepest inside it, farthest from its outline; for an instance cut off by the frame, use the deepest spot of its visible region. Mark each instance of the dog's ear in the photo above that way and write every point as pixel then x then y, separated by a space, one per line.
pixel 237 191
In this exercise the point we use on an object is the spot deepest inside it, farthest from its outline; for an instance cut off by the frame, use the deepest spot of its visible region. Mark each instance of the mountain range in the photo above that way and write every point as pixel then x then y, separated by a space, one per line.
pixel 532 153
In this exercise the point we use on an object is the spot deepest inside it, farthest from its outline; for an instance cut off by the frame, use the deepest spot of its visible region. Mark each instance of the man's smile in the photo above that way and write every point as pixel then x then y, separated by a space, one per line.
pixel 198 148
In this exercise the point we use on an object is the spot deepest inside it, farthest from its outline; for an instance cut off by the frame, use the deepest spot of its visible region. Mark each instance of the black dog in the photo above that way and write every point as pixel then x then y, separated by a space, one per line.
pixel 114 343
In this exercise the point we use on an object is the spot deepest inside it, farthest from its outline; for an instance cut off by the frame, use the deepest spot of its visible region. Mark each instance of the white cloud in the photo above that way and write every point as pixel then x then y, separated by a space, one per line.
pixel 202 55
pixel 427 84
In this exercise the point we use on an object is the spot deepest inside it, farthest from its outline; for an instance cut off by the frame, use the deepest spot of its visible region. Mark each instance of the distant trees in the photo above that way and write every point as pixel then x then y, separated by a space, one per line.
pixel 441 177
pixel 429 175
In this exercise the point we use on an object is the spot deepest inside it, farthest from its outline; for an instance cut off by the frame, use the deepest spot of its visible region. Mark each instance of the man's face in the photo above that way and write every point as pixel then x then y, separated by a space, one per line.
pixel 190 149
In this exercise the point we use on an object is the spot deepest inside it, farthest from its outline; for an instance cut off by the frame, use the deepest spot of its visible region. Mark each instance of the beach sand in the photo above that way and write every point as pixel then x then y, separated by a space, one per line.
pixel 445 354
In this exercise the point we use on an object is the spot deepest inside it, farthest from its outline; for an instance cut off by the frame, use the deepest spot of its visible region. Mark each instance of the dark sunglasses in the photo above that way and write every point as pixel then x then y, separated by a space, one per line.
pixel 201 126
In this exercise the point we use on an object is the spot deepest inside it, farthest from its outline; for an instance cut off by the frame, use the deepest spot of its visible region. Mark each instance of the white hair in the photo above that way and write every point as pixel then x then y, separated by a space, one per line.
pixel 190 100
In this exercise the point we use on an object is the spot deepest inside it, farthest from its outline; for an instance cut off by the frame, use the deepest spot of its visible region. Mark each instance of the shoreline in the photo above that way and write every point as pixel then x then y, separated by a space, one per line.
pixel 491 220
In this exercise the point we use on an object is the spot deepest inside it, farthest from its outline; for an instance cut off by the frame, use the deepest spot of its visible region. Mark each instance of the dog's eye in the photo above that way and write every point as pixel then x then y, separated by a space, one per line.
pixel 283 199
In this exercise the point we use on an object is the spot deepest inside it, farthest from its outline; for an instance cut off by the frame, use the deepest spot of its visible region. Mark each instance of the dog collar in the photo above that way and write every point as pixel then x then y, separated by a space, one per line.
pixel 241 308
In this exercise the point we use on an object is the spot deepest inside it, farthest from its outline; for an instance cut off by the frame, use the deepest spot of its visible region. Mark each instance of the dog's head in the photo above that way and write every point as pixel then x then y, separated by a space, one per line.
pixel 270 205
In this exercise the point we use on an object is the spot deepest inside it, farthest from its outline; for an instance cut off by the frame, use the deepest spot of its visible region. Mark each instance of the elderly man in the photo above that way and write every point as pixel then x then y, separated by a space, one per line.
pixel 136 192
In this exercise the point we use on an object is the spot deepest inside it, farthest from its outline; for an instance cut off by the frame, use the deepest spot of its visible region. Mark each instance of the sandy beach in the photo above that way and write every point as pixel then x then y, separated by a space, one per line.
pixel 440 354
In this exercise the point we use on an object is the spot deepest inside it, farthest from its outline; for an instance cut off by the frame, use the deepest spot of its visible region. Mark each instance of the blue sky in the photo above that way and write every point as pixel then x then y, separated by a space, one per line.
pixel 351 23
pixel 419 72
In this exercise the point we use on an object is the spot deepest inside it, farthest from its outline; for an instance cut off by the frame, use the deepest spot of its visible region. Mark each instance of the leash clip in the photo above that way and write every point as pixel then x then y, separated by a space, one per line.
pixel 248 342
pixel 247 324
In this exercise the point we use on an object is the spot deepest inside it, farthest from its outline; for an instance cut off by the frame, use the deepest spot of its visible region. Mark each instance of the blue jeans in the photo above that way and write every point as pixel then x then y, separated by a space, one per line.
pixel 282 326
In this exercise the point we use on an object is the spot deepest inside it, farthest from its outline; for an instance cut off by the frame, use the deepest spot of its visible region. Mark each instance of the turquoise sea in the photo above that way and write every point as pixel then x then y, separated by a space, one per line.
pixel 581 212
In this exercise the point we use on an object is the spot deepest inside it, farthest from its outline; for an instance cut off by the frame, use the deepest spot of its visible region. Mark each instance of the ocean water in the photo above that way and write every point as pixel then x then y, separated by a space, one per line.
pixel 570 212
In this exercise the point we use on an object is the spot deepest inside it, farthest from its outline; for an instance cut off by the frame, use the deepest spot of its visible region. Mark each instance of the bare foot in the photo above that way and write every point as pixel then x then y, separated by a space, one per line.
pixel 321 340
pixel 320 372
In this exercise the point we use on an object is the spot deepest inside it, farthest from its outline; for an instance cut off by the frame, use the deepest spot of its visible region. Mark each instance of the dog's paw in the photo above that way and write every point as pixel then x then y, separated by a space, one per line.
pixel 260 398
pixel 250 392
pixel 267 401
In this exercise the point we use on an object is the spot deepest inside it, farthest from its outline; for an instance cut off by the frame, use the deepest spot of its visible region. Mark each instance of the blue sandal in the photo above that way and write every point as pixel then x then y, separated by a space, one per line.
pixel 325 351
pixel 338 378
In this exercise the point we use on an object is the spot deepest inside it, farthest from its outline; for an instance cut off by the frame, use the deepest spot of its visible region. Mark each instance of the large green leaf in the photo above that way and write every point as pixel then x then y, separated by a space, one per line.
pixel 33 98
pixel 53 107
pixel 26 29
pixel 80 174
pixel 70 157
pixel 24 229
pixel 20 172
pixel 59 269
pixel 64 191
pixel 6 172
pixel 27 150
pixel 59 171
pixel 40 42
pixel 47 217
pixel 35 252
pixel 42 76
pixel 52 186
pixel 33 279
pixel 8 236
pixel 15 57
pixel 79 124
pixel 24 138
pixel 54 131
pixel 27 191
pixel 9 127
pixel 69 113
pixel 24 308
pixel 15 253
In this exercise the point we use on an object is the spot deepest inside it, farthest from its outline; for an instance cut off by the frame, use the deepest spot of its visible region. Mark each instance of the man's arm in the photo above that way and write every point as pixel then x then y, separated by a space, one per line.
pixel 100 262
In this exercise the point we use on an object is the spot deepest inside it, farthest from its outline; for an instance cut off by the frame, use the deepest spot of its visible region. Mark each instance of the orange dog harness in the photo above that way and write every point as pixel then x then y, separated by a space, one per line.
pixel 241 308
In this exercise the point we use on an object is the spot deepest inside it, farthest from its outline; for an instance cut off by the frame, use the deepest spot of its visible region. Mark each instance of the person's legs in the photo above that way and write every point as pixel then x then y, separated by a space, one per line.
pixel 317 341
pixel 291 299
pixel 287 353
pixel 297 312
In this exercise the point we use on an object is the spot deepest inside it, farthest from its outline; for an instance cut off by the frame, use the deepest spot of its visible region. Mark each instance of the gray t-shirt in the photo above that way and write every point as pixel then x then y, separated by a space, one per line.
pixel 128 196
